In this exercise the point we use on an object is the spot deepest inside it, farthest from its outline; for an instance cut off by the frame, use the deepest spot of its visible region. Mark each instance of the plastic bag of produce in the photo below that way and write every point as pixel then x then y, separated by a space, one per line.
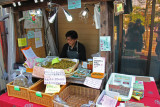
pixel 30 82
pixel 21 80
pixel 96 54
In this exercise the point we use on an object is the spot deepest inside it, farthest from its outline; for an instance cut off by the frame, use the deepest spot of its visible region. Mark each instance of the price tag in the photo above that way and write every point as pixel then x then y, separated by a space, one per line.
pixel 51 88
pixel 16 88
pixel 54 76
pixel 39 94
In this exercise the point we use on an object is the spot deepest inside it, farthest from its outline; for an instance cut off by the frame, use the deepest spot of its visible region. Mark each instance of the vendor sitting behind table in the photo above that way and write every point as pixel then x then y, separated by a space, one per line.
pixel 73 49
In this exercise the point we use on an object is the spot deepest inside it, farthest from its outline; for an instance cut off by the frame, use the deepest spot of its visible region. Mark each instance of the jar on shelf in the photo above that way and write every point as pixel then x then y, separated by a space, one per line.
pixel 90 64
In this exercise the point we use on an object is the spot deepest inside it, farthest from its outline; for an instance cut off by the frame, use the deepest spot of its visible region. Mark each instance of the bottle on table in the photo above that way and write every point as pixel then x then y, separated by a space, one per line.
pixel 90 64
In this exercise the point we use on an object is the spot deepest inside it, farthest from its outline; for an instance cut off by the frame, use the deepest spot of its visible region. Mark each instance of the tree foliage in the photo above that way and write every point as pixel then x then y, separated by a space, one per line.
pixel 137 13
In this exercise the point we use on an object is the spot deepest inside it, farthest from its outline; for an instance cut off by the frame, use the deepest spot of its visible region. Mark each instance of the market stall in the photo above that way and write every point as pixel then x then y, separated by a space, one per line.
pixel 69 81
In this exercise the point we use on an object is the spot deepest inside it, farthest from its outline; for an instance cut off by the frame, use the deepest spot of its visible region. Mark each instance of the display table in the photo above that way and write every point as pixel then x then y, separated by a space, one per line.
pixel 151 97
pixel 151 94
pixel 7 101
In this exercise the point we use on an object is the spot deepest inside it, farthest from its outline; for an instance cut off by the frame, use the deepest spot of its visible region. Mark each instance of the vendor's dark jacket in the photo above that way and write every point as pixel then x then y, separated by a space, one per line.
pixel 81 51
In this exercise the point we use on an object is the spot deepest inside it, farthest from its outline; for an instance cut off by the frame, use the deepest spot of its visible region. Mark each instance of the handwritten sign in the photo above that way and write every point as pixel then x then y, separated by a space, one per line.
pixel 38 71
pixel 99 64
pixel 92 82
pixel 74 4
pixel 22 42
pixel 28 53
pixel 105 43
pixel 30 34
pixel 55 76
pixel 38 39
pixel 50 88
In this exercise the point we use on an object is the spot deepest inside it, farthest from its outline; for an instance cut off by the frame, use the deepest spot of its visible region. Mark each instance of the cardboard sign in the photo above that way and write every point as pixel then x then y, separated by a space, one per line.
pixel 133 104
pixel 55 76
pixel 105 43
pixel 32 21
pixel 99 64
pixel 30 34
pixel 28 52
pixel 50 88
pixel 92 82
pixel 38 39
pixel 144 79
pixel 22 42
pixel 38 72
pixel 74 4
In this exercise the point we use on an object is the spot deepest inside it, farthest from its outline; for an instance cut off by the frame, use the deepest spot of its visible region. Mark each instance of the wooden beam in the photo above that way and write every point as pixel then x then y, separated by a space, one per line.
pixel 120 41
pixel 30 4
pixel 107 30
pixel 61 2
pixel 111 33
pixel 104 30
pixel 19 31
pixel 5 2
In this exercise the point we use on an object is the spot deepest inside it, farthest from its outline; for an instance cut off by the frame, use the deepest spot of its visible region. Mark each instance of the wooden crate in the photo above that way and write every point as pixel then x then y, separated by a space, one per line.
pixel 75 96
pixel 46 99
pixel 23 93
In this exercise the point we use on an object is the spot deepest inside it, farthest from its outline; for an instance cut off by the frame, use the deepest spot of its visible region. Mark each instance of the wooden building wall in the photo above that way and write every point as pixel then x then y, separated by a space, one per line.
pixel 87 33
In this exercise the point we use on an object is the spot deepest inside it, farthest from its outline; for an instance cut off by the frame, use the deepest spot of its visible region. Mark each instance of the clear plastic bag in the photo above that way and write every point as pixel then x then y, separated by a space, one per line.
pixel 21 80
pixel 90 103
pixel 96 54
pixel 13 76
pixel 30 82
pixel 59 100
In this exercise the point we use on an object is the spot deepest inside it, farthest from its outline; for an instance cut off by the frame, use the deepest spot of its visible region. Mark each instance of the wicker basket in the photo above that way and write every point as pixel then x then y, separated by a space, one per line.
pixel 75 96
pixel 46 99
pixel 23 93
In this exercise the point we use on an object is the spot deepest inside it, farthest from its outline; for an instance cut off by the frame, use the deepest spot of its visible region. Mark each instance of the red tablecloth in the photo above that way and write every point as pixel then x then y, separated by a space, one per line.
pixel 7 101
pixel 151 98
pixel 151 95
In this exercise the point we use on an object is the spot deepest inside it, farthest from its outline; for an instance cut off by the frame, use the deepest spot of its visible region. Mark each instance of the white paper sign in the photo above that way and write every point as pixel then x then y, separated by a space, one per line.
pixel 105 43
pixel 38 39
pixel 54 76
pixel 99 64
pixel 32 21
pixel 29 53
pixel 92 82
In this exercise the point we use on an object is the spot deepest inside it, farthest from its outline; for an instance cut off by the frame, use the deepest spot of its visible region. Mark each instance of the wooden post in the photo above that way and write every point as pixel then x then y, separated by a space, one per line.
pixel 151 38
pixel 106 14
pixel 18 33
pixel 120 41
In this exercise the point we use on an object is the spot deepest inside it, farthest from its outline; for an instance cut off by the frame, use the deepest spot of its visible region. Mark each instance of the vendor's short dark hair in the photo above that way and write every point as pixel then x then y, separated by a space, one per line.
pixel 73 34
